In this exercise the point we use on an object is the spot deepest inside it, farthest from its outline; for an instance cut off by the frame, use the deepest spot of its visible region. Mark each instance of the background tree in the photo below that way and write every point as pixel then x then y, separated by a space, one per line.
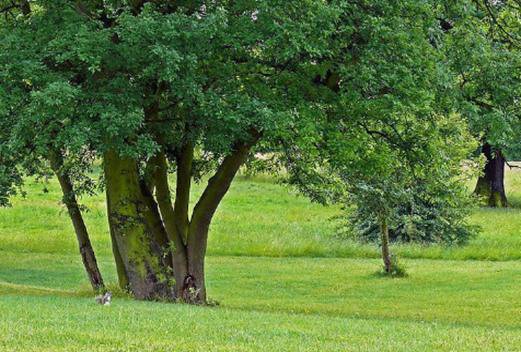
pixel 424 196
pixel 483 50
pixel 391 113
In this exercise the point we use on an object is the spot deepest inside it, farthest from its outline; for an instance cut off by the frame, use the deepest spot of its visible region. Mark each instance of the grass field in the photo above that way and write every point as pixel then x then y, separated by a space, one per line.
pixel 284 280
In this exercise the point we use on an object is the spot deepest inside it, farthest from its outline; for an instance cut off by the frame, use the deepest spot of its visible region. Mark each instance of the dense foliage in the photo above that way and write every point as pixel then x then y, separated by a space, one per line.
pixel 394 148
pixel 483 49
pixel 420 218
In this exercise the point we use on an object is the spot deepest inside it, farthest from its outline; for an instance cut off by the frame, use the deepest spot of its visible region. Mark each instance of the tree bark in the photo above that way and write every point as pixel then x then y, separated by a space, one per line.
pixel 386 254
pixel 176 221
pixel 137 230
pixel 190 236
pixel 69 199
pixel 491 185
pixel 118 260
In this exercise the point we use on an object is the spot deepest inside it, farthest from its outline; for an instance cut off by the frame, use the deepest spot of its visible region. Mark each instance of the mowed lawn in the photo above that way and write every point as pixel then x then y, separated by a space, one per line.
pixel 284 281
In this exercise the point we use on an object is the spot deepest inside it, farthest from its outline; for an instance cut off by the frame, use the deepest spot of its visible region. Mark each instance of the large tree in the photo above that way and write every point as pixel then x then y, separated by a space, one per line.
pixel 483 47
pixel 190 90
pixel 152 88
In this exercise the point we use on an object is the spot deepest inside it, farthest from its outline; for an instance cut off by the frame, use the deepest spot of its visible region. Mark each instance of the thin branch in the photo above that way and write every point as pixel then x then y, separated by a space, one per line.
pixel 512 166
pixel 513 39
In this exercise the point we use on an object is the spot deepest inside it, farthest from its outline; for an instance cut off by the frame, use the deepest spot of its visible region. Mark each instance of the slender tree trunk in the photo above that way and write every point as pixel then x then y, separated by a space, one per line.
pixel 491 185
pixel 175 222
pixel 386 254
pixel 137 230
pixel 69 199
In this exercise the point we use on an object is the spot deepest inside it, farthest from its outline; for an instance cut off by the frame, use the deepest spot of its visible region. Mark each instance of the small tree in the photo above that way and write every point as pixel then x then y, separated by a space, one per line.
pixel 429 215
pixel 420 167
pixel 394 179
pixel 378 199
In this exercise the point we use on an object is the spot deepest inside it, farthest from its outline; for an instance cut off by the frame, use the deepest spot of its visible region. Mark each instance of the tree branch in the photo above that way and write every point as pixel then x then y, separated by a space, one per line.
pixel 184 159
pixel 23 6
pixel 164 200
pixel 513 40
pixel 217 187
pixel 512 166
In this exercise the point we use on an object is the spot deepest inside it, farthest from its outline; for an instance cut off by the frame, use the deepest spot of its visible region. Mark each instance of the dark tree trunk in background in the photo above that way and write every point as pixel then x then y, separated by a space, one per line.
pixel 69 199
pixel 491 185
pixel 25 7
pixel 386 253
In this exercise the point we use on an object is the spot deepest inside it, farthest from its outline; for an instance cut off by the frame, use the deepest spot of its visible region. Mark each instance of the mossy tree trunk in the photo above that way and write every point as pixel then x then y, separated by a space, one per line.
pixel 491 185
pixel 190 235
pixel 69 199
pixel 140 242
pixel 161 249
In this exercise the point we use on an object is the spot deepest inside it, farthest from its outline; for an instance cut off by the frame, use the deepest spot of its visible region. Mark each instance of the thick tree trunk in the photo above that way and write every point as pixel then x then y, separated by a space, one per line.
pixel 190 237
pixel 491 185
pixel 69 199
pixel 137 230
pixel 155 240
pixel 386 254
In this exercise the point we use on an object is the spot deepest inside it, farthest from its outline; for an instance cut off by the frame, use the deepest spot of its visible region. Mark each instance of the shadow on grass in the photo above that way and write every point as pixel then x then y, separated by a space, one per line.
pixel 84 291
pixel 9 288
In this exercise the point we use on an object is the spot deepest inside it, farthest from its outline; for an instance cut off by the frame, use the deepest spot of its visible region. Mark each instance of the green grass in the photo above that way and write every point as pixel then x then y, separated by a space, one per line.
pixel 257 218
pixel 284 281
pixel 134 326
pixel 298 303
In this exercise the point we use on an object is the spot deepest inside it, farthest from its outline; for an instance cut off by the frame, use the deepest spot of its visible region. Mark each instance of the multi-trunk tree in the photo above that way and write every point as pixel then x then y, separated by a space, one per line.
pixel 153 89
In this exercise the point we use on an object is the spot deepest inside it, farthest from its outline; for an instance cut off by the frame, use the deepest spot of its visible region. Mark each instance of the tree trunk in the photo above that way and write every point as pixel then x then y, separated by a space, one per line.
pixel 491 185
pixel 69 199
pixel 190 236
pixel 120 266
pixel 175 222
pixel 386 254
pixel 137 230
pixel 204 211
pixel 156 241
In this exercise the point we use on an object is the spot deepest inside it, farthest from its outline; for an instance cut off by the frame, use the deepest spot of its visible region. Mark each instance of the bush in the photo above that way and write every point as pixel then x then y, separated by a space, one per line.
pixel 424 218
